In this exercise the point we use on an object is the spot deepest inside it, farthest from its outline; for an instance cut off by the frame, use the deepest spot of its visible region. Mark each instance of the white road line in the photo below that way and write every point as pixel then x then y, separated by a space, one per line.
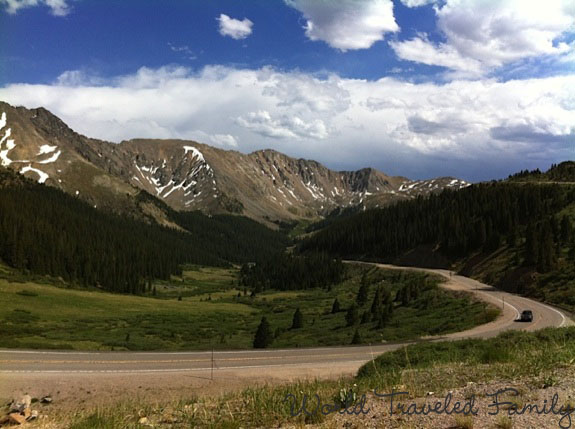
pixel 140 371
pixel 208 352
pixel 514 308
pixel 563 319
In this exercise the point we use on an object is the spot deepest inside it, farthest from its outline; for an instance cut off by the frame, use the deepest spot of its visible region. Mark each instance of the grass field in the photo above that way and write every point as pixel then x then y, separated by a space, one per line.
pixel 204 308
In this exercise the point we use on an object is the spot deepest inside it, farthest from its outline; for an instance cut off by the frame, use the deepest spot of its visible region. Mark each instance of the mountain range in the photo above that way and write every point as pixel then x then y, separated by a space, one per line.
pixel 265 185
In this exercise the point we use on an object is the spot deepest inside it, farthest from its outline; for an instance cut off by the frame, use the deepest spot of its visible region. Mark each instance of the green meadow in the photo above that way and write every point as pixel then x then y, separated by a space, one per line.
pixel 206 308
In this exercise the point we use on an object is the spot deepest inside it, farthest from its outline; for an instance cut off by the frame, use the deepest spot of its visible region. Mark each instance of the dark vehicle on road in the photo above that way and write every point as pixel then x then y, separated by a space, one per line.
pixel 526 316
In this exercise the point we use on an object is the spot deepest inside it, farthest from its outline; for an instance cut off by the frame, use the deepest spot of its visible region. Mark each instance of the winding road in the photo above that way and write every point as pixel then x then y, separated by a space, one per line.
pixel 44 368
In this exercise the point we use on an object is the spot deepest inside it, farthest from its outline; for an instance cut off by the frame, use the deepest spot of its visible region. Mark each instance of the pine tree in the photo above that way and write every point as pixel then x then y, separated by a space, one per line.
pixel 383 317
pixel 297 322
pixel 566 229
pixel 571 254
pixel 512 237
pixel 362 293
pixel 531 246
pixel 546 256
pixel 264 335
pixel 356 337
pixel 376 303
pixel 352 316
pixel 335 308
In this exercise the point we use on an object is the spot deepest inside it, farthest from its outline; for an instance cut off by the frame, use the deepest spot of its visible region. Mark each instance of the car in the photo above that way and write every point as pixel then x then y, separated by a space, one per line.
pixel 526 316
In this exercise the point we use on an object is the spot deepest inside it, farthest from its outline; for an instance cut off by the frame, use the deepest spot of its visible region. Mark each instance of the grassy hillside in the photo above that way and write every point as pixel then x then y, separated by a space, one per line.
pixel 204 309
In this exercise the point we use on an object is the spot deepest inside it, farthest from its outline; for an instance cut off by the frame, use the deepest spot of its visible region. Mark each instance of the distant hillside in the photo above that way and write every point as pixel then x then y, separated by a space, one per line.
pixel 517 236
pixel 45 231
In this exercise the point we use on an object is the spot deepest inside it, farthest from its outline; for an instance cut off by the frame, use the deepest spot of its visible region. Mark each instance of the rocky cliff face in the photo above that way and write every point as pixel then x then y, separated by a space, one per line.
pixel 264 185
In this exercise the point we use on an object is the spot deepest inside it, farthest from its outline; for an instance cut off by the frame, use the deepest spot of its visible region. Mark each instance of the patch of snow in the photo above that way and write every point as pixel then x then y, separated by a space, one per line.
pixel 4 157
pixel 3 120
pixel 46 149
pixel 160 189
pixel 53 158
pixel 43 176
pixel 7 134
pixel 174 188
pixel 195 153
pixel 292 194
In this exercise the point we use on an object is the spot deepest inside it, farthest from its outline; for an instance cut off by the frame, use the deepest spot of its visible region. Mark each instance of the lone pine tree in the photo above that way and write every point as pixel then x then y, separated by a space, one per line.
pixel 352 316
pixel 363 292
pixel 335 308
pixel 297 322
pixel 264 335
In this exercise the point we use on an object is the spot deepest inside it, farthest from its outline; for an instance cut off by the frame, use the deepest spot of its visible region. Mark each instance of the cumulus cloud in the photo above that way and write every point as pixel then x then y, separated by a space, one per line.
pixel 234 28
pixel 483 35
pixel 283 127
pixel 412 129
pixel 347 24
pixel 422 51
pixel 57 7
pixel 303 91
pixel 522 130
pixel 223 140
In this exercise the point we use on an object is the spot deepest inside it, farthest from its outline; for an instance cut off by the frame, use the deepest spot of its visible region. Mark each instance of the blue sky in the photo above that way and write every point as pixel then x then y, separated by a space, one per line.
pixel 113 38
pixel 472 88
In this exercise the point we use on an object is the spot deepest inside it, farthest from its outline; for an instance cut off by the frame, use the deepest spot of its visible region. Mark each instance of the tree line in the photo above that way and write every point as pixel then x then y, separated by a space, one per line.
pixel 292 272
pixel 563 172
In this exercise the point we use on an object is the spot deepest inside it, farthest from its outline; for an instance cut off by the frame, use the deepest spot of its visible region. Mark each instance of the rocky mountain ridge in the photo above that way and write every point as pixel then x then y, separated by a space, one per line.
pixel 265 185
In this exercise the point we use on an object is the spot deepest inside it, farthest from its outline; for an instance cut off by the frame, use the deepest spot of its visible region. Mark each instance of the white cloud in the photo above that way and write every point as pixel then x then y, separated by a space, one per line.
pixel 413 129
pixel 234 28
pixel 223 140
pixel 303 91
pixel 57 7
pixel 481 35
pixel 347 24
pixel 283 127
pixel 417 3
pixel 422 51
pixel 184 50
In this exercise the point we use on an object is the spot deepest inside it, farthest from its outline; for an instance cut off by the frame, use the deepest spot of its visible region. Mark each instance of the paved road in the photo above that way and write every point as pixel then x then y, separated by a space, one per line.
pixel 267 361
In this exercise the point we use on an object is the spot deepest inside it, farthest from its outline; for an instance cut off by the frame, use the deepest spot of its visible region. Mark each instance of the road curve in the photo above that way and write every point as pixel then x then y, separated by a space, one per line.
pixel 262 361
